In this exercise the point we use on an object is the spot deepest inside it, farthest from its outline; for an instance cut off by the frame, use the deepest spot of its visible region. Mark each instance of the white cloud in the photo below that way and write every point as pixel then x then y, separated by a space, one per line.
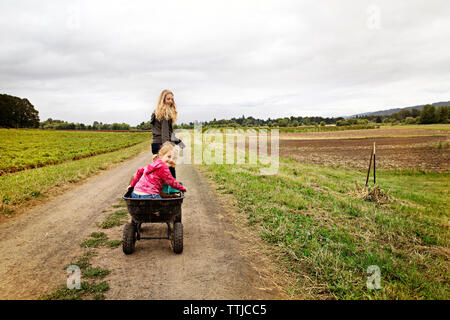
pixel 108 60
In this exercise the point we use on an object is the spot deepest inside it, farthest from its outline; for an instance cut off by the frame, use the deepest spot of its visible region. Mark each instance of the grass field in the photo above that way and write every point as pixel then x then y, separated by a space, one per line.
pixel 329 128
pixel 329 236
pixel 435 126
pixel 19 189
pixel 382 132
pixel 23 149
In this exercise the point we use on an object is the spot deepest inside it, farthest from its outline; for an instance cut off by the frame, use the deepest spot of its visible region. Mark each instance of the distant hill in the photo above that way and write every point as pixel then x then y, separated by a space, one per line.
pixel 391 111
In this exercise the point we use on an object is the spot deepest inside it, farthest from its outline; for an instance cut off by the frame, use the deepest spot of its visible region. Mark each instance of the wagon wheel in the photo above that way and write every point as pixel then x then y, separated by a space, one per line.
pixel 129 238
pixel 177 237
pixel 178 217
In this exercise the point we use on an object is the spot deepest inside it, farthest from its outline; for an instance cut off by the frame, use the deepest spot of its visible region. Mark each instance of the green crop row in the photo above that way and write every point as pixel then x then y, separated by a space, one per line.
pixel 31 148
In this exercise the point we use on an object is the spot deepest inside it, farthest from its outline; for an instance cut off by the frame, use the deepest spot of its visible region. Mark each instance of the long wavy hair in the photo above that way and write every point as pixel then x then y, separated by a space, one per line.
pixel 164 111
pixel 165 148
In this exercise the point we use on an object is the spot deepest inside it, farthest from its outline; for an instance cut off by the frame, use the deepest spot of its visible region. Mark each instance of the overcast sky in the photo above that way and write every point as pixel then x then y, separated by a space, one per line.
pixel 82 61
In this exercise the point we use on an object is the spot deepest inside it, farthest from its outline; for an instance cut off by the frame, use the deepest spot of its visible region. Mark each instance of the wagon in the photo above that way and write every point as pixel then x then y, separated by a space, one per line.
pixel 165 210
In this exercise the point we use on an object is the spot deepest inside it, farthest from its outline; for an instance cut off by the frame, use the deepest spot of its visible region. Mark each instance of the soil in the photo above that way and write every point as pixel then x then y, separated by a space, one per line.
pixel 419 152
pixel 38 245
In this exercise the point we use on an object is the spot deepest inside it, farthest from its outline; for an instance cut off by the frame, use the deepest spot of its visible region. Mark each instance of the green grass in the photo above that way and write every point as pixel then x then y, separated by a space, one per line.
pixel 116 218
pixel 21 188
pixel 32 148
pixel 113 243
pixel 95 290
pixel 83 262
pixel 436 126
pixel 100 239
pixel 95 273
pixel 300 128
pixel 99 296
pixel 330 237
pixel 96 240
pixel 367 135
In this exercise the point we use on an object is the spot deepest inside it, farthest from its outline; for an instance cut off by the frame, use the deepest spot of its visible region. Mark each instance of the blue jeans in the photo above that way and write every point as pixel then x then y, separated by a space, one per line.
pixel 147 196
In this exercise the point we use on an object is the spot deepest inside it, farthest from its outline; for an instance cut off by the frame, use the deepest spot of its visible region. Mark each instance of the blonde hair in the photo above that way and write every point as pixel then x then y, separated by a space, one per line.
pixel 164 111
pixel 165 148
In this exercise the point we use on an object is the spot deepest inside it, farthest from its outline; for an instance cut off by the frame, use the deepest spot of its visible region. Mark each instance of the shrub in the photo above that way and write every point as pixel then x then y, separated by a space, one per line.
pixel 410 120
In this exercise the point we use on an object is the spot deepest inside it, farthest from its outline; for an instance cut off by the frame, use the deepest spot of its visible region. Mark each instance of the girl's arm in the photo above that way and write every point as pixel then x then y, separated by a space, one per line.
pixel 137 176
pixel 165 174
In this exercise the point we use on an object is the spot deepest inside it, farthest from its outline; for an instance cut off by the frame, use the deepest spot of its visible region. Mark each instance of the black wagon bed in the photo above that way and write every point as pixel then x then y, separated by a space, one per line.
pixel 165 210
pixel 153 210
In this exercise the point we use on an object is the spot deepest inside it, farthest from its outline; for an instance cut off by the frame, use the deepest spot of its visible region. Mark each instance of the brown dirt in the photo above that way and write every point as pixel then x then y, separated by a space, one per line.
pixel 36 246
pixel 420 152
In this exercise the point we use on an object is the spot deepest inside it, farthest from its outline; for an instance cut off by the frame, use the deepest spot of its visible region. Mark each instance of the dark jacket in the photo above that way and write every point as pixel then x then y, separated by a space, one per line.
pixel 162 130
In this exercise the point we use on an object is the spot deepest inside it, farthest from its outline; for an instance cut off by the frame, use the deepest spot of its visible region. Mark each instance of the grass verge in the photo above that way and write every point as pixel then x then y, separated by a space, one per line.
pixel 330 238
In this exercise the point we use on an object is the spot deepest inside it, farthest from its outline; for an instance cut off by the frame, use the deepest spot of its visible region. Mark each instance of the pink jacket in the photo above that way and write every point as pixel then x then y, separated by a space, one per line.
pixel 151 179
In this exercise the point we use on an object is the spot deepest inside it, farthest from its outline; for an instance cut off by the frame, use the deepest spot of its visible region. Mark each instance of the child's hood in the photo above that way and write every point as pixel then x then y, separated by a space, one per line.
pixel 155 165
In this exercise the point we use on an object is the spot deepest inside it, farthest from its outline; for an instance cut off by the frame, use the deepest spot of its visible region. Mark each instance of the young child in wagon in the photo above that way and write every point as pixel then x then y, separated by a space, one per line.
pixel 148 182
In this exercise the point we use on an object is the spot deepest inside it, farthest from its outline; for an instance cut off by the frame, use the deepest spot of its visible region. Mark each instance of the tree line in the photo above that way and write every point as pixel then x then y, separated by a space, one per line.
pixel 429 114
pixel 253 122
pixel 20 113
pixel 17 113
pixel 64 125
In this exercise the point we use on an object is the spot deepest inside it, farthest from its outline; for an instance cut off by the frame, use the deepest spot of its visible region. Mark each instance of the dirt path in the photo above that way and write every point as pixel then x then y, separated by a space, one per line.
pixel 35 247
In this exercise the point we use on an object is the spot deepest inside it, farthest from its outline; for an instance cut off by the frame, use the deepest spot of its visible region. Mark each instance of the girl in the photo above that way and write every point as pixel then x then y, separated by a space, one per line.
pixel 163 118
pixel 148 181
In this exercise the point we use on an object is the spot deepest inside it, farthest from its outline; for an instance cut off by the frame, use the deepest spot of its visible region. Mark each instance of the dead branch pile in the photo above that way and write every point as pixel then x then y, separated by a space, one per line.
pixel 372 194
